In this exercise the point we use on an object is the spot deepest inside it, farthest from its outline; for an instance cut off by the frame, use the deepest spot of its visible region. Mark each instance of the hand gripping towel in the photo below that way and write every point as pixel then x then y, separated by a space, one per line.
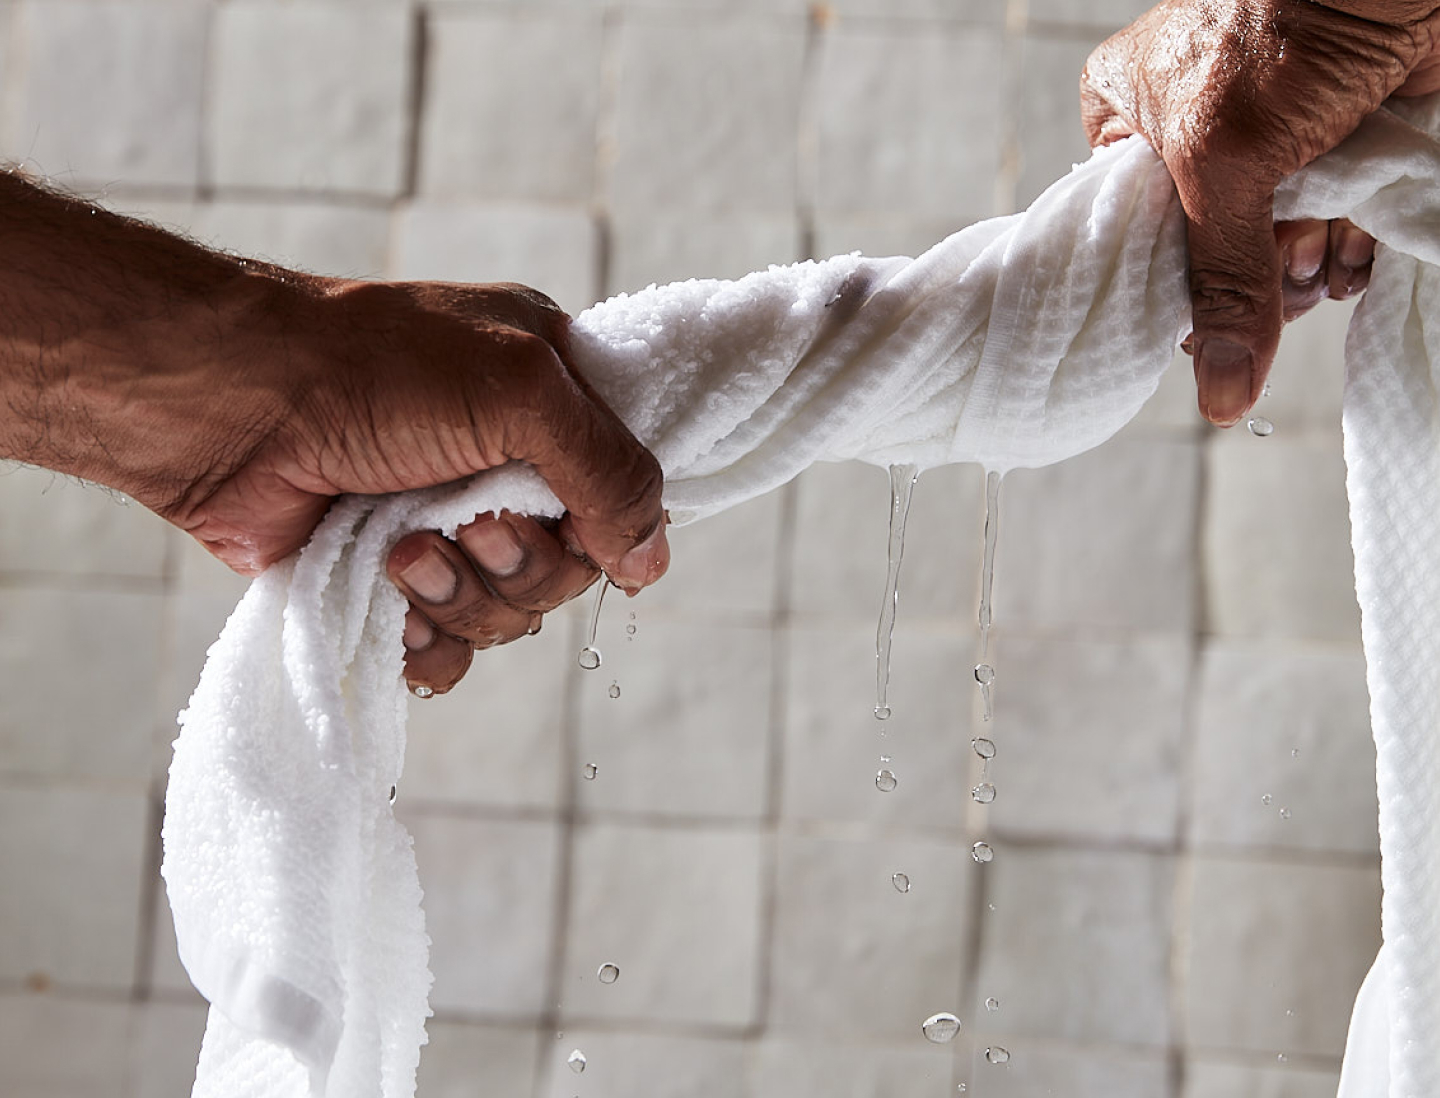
pixel 1017 342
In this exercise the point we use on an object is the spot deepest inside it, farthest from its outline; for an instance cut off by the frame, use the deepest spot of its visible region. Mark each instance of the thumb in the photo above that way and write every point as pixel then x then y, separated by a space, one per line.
pixel 1235 296
pixel 609 483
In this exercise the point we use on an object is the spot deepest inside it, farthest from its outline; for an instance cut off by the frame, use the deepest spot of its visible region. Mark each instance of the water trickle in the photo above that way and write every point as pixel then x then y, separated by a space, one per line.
pixel 614 690
pixel 940 1027
pixel 987 584
pixel 1265 798
pixel 576 1060
pixel 984 748
pixel 608 973
pixel 997 1055
pixel 589 772
pixel 983 853
pixel 394 792
pixel 1260 427
pixel 885 781
pixel 984 793
pixel 992 1004
pixel 900 881
pixel 902 485
pixel 589 657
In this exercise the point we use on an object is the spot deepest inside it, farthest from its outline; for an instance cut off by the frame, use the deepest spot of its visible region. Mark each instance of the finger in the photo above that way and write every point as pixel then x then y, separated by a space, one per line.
pixel 439 579
pixel 1304 247
pixel 1352 251
pixel 1236 303
pixel 524 563
pixel 609 483
pixel 434 661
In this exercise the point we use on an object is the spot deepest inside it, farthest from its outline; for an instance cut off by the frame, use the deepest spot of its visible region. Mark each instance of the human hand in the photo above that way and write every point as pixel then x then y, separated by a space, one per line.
pixel 1235 95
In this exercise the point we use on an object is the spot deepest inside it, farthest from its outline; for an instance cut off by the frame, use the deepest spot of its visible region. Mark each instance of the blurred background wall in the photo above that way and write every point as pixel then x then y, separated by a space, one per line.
pixel 1184 893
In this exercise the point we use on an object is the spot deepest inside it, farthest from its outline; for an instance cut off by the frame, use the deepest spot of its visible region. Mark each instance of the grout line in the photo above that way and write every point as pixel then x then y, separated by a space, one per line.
pixel 149 901
pixel 415 95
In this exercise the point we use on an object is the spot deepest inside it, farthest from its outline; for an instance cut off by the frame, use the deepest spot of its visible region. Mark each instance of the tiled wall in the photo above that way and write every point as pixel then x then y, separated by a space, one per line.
pixel 1184 894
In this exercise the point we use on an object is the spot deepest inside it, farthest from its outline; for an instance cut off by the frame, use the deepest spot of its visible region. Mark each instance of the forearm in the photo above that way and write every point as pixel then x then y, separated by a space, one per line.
pixel 128 354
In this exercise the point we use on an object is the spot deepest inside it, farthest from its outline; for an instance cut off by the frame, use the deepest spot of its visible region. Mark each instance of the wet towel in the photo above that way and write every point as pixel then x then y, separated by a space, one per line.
pixel 1017 342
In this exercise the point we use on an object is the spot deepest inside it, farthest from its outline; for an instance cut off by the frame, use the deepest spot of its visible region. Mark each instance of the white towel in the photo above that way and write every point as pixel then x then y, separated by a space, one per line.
pixel 1015 343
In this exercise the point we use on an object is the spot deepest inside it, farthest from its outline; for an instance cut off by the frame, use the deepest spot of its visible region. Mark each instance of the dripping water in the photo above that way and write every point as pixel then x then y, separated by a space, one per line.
pixel 902 484
pixel 589 657
pixel 984 673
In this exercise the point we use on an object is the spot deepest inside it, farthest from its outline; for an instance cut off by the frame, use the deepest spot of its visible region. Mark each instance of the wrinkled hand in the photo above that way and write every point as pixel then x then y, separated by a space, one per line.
pixel 1235 95
pixel 417 384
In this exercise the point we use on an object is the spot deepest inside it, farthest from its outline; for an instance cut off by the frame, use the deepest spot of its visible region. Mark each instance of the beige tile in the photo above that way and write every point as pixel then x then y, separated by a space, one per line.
pixel 1077 945
pixel 63 1048
pixel 1088 735
pixel 1307 382
pixel 656 246
pixel 631 1065
pixel 74 862
pixel 79 673
pixel 1207 1079
pixel 325 239
pixel 490 895
pixel 689 734
pixel 1283 756
pixel 672 148
pixel 1088 1070
pixel 56 525
pixel 1049 134
pixel 511 97
pixel 853 955
pixel 165 1048
pixel 310 96
pixel 497 739
pixel 1100 14
pixel 1278 973
pixel 462 1061
pixel 883 234
pixel 550 248
pixel 1277 540
pixel 167 975
pixel 109 92
pixel 856 1067
pixel 834 744
pixel 678 911
pixel 907 120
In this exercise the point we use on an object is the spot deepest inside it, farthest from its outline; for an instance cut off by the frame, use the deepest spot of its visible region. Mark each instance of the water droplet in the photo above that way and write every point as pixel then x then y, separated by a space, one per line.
pixel 1294 752
pixel 961 1088
pixel 982 853
pixel 589 772
pixel 614 690
pixel 1289 1013
pixel 394 792
pixel 984 748
pixel 990 907
pixel 1282 1057
pixel 882 712
pixel 576 1060
pixel 885 781
pixel 589 658
pixel 1260 427
pixel 885 759
pixel 984 674
pixel 997 1055
pixel 1266 798
pixel 984 793
pixel 992 1004
pixel 940 1028
pixel 608 973
pixel 1265 390
pixel 900 881
pixel 423 692
pixel 630 629
pixel 1284 813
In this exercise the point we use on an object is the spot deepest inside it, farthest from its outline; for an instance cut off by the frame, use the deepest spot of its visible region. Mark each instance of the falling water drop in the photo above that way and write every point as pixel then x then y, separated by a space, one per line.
pixel 1294 752
pixel 1282 1057
pixel 630 629
pixel 885 781
pixel 614 690
pixel 1284 813
pixel 1260 427
pixel 992 1004
pixel 984 674
pixel 984 793
pixel 590 771
pixel 987 584
pixel 900 881
pixel 902 485
pixel 1265 798
pixel 940 1027
pixel 589 657
pixel 983 747
pixel 983 853
pixel 961 1088
pixel 393 793
pixel 608 973
pixel 997 1055
pixel 576 1060
pixel 423 692
pixel 884 759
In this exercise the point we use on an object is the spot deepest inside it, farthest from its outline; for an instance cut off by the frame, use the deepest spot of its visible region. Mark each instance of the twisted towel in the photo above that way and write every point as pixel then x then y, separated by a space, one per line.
pixel 1017 342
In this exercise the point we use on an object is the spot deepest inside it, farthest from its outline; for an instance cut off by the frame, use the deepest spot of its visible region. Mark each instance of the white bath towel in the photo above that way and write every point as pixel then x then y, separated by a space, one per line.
pixel 1017 342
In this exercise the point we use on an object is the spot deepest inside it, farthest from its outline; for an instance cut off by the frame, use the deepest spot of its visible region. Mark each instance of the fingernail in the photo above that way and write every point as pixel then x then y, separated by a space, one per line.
pixel 1225 373
pixel 494 546
pixel 1355 248
pixel 419 633
pixel 1306 255
pixel 431 577
pixel 644 564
